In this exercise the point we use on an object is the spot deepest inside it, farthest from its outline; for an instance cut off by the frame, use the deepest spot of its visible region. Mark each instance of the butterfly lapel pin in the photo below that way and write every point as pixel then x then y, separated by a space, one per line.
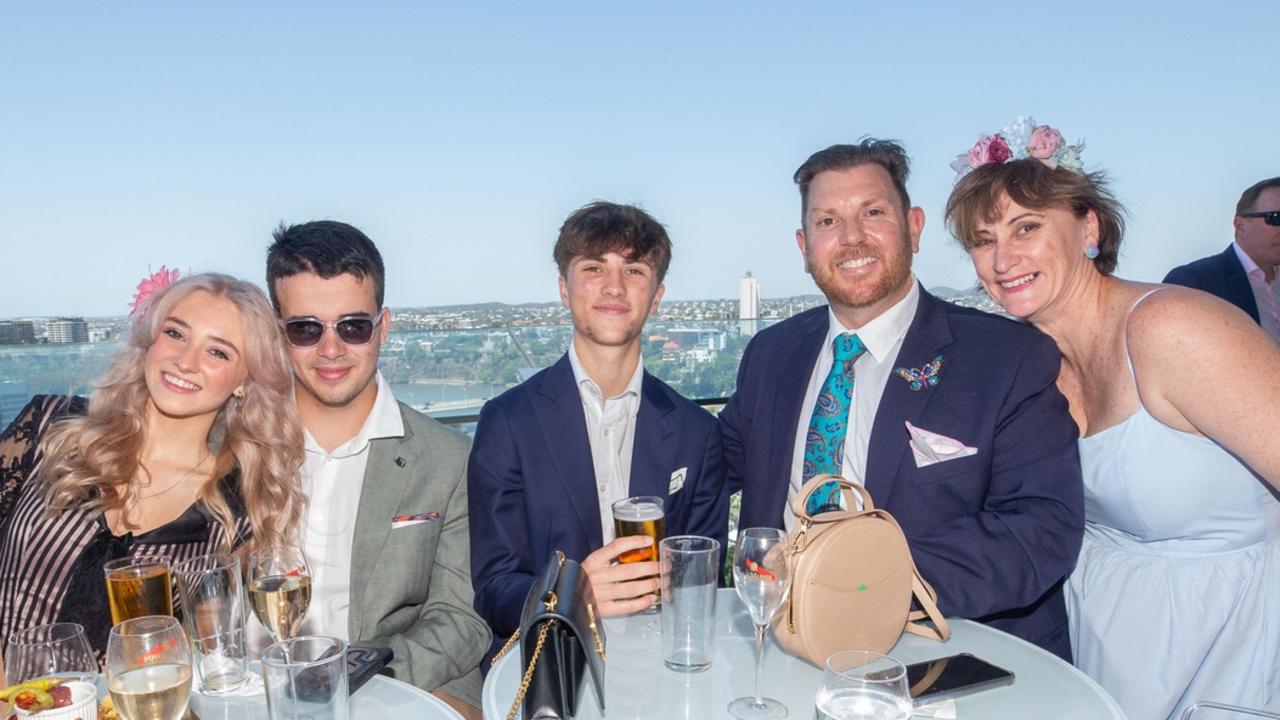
pixel 921 377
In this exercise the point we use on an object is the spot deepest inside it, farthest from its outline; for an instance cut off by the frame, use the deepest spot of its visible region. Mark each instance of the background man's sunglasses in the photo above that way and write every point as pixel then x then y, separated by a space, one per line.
pixel 352 330
pixel 1271 217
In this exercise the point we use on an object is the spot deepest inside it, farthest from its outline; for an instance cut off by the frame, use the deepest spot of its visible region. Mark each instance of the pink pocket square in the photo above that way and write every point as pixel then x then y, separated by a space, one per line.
pixel 931 448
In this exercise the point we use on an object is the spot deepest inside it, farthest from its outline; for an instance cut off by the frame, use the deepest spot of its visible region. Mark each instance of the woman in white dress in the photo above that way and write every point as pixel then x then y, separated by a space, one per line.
pixel 1176 595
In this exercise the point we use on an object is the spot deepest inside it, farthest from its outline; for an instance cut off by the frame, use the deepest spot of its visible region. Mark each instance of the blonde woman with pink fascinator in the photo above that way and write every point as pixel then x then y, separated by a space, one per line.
pixel 189 445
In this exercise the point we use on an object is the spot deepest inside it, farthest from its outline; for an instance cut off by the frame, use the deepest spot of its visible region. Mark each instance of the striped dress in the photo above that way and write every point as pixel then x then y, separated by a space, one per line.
pixel 51 563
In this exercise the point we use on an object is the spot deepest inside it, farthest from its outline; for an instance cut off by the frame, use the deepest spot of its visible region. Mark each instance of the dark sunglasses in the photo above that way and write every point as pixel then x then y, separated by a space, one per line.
pixel 1271 217
pixel 352 330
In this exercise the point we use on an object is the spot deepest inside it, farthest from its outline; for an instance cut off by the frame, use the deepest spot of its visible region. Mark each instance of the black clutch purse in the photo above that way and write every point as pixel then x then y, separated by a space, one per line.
pixel 561 642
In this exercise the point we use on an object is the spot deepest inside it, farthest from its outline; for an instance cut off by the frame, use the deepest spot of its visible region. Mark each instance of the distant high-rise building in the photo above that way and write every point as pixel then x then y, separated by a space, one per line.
pixel 748 298
pixel 67 330
pixel 17 332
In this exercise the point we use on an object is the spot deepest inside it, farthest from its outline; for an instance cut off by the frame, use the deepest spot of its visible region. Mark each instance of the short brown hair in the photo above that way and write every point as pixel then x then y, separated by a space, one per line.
pixel 1034 185
pixel 1249 199
pixel 888 154
pixel 604 227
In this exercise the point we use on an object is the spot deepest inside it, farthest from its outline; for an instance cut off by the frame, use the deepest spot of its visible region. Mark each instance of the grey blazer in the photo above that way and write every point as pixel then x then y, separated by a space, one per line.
pixel 411 586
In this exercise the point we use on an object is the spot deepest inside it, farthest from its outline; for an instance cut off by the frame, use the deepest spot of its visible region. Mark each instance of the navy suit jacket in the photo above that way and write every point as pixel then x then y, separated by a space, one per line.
pixel 1220 275
pixel 532 487
pixel 995 533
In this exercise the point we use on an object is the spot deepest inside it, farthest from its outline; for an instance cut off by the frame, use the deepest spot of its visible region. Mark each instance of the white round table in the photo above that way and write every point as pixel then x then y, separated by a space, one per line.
pixel 638 685
pixel 382 698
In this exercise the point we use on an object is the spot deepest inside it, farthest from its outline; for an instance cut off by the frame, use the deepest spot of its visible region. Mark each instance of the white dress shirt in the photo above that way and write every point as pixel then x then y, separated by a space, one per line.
pixel 611 431
pixel 1266 294
pixel 332 482
pixel 883 339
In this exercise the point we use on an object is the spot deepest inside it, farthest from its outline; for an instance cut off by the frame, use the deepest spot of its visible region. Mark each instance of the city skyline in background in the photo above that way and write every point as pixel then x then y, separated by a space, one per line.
pixel 459 137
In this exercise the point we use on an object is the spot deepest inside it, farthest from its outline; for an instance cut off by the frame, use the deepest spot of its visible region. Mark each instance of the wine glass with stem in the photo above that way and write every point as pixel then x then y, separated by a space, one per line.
pixel 149 668
pixel 762 578
pixel 59 650
pixel 279 589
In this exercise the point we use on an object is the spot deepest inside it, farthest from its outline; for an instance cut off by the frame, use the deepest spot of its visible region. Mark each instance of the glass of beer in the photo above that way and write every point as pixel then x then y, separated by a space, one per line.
pixel 149 668
pixel 643 515
pixel 138 586
pixel 640 516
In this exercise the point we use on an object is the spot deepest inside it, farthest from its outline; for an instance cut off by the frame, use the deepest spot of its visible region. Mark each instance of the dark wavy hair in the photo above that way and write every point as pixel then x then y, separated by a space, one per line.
pixel 603 227
pixel 327 248
pixel 888 154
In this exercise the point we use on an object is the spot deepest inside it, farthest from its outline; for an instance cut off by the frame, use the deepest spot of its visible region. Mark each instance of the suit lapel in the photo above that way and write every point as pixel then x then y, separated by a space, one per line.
pixel 792 380
pixel 928 334
pixel 653 453
pixel 558 407
pixel 1237 281
pixel 385 484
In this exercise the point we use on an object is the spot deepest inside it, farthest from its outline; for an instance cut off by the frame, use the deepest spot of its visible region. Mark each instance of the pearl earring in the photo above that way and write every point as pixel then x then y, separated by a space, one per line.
pixel 1091 251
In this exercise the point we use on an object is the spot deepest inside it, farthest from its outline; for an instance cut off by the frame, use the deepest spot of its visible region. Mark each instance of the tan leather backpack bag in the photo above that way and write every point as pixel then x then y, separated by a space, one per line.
pixel 852 581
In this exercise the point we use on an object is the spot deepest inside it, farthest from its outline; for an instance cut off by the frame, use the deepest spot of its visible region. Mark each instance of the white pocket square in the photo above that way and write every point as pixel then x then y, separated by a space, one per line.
pixel 930 448
pixel 677 481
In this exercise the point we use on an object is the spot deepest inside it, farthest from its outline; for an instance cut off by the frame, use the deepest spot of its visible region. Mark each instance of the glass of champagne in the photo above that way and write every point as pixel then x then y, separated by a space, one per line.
pixel 762 578
pixel 58 650
pixel 862 685
pixel 279 589
pixel 149 668
pixel 138 586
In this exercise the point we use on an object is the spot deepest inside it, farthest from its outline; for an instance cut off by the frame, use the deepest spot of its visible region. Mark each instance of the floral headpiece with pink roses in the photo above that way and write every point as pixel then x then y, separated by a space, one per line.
pixel 1023 139
pixel 149 286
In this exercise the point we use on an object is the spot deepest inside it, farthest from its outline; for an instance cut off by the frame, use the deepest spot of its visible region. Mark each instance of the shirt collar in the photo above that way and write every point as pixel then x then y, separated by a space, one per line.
pixel 383 421
pixel 1250 267
pixel 882 334
pixel 583 380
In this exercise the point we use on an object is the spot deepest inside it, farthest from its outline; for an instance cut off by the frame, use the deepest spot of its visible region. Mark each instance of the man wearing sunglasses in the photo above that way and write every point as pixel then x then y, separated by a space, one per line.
pixel 385 529
pixel 1245 274
pixel 554 453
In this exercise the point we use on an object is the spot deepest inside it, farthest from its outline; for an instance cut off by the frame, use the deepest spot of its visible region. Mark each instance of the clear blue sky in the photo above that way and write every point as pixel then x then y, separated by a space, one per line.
pixel 459 135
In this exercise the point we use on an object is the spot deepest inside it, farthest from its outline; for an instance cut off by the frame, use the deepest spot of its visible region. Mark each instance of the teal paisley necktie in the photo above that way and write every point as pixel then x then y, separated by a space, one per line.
pixel 824 442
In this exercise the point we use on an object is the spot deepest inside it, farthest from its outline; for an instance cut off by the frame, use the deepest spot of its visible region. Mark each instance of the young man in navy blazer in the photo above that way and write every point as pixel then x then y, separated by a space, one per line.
pixel 954 423
pixel 1245 274
pixel 552 454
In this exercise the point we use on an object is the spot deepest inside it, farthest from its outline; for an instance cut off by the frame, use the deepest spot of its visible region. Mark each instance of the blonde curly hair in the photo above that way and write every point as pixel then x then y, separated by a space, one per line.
pixel 91 460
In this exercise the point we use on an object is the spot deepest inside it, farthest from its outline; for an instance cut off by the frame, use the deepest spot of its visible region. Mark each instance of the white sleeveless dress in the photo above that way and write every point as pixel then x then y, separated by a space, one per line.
pixel 1176 595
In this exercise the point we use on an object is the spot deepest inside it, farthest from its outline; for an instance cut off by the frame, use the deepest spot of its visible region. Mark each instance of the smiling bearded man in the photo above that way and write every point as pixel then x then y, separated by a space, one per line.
pixel 846 389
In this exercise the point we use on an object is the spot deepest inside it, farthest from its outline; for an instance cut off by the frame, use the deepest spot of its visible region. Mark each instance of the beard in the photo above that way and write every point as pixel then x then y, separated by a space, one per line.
pixel 894 272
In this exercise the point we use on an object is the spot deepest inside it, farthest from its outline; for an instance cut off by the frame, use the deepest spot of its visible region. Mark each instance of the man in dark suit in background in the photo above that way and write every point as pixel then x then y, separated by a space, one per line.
pixel 949 417
pixel 552 454
pixel 1245 273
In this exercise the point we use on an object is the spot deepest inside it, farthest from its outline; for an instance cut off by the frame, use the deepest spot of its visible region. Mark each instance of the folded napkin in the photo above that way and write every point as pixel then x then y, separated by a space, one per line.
pixel 945 710
pixel 931 448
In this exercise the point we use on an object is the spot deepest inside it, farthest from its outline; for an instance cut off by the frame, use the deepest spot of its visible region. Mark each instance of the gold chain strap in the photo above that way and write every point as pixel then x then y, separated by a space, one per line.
pixel 511 641
pixel 528 673
pixel 595 631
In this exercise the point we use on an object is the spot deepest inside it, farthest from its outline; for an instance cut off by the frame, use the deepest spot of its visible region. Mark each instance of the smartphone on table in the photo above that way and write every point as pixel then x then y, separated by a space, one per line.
pixel 953 676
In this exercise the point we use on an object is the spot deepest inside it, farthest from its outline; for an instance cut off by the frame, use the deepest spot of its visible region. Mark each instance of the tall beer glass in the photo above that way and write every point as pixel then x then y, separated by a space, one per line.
pixel 640 516
pixel 138 586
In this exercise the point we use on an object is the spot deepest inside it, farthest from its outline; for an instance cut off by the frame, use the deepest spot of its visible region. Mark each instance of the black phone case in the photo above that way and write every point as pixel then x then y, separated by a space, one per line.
pixel 363 662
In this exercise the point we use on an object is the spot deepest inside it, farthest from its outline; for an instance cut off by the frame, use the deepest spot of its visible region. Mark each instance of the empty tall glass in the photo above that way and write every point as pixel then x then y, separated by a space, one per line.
pixel 212 595
pixel 306 679
pixel 690 566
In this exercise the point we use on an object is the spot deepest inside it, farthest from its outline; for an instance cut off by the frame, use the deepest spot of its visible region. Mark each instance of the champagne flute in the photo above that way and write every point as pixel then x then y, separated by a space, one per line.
pixel 863 685
pixel 149 668
pixel 762 578
pixel 58 650
pixel 279 589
